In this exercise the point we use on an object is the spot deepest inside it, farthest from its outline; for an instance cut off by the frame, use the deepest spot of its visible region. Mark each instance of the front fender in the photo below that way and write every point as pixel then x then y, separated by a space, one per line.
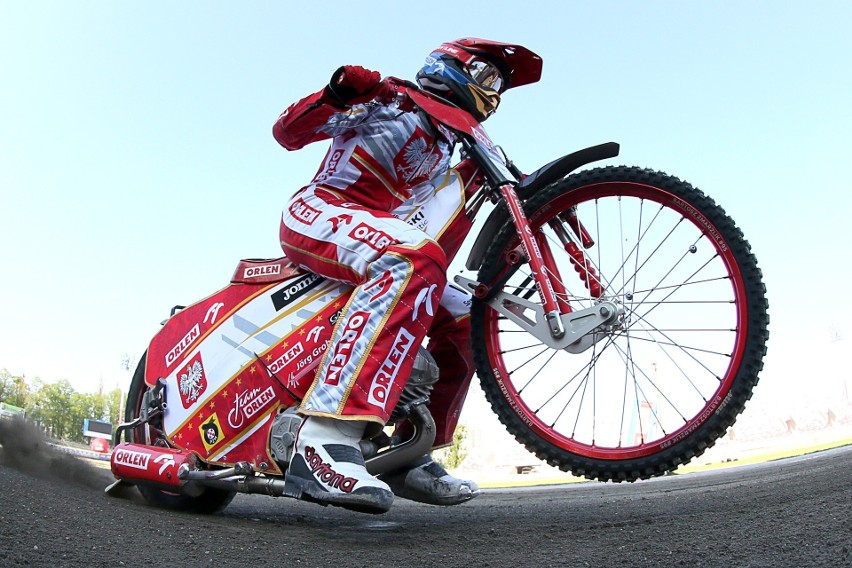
pixel 533 183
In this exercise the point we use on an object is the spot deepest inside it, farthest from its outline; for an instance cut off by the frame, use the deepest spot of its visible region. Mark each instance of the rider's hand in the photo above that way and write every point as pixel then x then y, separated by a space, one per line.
pixel 352 84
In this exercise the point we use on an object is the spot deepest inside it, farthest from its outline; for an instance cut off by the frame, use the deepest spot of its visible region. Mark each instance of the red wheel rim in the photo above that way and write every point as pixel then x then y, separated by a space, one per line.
pixel 591 447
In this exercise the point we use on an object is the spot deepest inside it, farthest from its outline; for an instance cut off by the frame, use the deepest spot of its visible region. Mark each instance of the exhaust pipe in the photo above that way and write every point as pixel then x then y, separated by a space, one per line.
pixel 154 465
pixel 178 471
pixel 403 454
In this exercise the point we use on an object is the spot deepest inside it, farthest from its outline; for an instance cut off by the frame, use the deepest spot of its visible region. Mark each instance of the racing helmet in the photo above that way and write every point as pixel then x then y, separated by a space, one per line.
pixel 472 73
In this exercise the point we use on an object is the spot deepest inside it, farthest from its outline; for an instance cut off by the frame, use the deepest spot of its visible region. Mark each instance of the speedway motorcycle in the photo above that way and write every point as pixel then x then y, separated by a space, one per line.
pixel 619 323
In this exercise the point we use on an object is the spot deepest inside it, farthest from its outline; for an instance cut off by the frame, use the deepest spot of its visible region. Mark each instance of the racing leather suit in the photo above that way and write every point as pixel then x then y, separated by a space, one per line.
pixel 385 214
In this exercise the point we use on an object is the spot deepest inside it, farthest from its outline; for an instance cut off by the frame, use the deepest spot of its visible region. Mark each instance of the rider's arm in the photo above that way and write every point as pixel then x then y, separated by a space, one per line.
pixel 301 123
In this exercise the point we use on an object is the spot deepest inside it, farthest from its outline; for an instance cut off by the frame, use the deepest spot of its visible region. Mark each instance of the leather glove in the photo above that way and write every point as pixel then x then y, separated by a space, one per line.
pixel 353 84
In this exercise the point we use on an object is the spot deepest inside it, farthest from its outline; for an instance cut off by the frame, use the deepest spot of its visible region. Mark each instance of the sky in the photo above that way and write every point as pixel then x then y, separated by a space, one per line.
pixel 137 164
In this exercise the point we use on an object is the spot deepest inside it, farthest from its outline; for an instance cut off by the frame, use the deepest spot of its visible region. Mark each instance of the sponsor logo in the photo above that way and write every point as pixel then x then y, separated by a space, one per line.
pixel 482 137
pixel 247 404
pixel 382 285
pixel 374 238
pixel 213 312
pixel 384 379
pixel 299 288
pixel 331 167
pixel 264 270
pixel 192 381
pixel 303 212
pixel 288 357
pixel 324 473
pixel 418 220
pixel 315 333
pixel 343 349
pixel 166 460
pixel 424 298
pixel 182 345
pixel 129 458
pixel 336 221
pixel 210 431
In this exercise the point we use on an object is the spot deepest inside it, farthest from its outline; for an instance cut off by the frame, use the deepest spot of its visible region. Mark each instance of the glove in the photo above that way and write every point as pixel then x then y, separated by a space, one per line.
pixel 352 84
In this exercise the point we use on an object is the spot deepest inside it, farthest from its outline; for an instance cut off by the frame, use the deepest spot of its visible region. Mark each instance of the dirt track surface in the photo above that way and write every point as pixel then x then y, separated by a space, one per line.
pixel 793 512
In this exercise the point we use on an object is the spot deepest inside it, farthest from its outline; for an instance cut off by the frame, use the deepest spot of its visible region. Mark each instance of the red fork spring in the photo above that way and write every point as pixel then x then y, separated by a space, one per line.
pixel 587 273
pixel 579 230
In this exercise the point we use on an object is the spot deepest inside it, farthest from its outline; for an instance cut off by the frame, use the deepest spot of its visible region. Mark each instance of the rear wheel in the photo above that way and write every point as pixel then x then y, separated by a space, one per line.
pixel 671 375
pixel 211 501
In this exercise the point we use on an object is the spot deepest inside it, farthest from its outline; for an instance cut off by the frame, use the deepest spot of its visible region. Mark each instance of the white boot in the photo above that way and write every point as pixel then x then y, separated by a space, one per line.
pixel 426 481
pixel 327 467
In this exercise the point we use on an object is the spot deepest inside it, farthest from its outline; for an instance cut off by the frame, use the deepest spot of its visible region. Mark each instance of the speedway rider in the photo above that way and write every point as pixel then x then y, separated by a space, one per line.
pixel 384 213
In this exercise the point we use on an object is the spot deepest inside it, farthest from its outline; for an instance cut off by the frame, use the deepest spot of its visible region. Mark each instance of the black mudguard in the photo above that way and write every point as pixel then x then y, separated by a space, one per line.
pixel 533 183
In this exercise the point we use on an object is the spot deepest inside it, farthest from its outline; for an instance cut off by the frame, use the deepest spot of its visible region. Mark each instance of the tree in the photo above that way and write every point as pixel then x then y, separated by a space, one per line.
pixel 453 456
pixel 13 389
pixel 53 407
pixel 114 402
pixel 5 384
pixel 57 407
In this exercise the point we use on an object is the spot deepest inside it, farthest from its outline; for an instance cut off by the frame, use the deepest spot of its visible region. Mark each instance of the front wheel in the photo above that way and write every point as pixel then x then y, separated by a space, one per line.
pixel 210 501
pixel 671 374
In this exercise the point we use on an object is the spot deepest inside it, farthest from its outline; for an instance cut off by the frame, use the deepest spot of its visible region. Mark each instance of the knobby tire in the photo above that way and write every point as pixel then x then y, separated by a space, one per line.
pixel 666 383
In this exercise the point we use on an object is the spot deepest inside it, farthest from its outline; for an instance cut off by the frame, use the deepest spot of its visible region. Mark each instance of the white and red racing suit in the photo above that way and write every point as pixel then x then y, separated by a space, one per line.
pixel 384 213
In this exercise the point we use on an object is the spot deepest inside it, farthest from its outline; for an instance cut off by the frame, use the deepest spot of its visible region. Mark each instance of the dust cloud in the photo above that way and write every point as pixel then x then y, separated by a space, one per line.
pixel 25 448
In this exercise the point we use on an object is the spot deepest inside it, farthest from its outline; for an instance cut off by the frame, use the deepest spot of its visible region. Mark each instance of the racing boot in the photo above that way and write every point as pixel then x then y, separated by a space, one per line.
pixel 327 467
pixel 426 481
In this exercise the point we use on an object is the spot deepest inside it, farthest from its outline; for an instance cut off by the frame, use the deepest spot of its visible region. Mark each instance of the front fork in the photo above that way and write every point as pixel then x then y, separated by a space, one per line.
pixel 532 250
pixel 552 321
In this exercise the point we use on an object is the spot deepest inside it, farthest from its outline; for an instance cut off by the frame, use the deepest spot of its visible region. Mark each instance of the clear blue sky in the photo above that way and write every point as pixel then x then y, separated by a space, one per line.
pixel 137 163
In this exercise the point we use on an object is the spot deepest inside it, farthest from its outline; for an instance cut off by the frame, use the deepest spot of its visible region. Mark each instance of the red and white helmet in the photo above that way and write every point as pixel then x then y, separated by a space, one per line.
pixel 472 73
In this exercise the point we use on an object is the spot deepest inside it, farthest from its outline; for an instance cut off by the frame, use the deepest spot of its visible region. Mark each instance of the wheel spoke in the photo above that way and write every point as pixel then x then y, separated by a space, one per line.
pixel 658 371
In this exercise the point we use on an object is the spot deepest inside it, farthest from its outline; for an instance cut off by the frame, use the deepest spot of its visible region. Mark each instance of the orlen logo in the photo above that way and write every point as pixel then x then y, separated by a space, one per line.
pixel 288 356
pixel 187 340
pixel 129 458
pixel 331 168
pixel 482 137
pixel 265 270
pixel 247 404
pixel 303 212
pixel 343 349
pixel 372 237
pixel 384 379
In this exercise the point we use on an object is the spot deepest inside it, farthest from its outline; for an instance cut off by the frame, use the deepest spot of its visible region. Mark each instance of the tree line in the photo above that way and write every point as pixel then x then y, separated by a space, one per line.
pixel 60 411
pixel 57 407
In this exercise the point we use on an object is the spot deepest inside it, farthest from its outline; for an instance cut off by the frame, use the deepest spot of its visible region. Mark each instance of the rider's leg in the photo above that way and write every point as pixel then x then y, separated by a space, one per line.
pixel 449 345
pixel 424 480
pixel 399 273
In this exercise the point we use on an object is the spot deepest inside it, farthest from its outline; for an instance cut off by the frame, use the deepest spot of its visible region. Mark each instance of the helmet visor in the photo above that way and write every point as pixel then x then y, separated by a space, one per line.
pixel 485 74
